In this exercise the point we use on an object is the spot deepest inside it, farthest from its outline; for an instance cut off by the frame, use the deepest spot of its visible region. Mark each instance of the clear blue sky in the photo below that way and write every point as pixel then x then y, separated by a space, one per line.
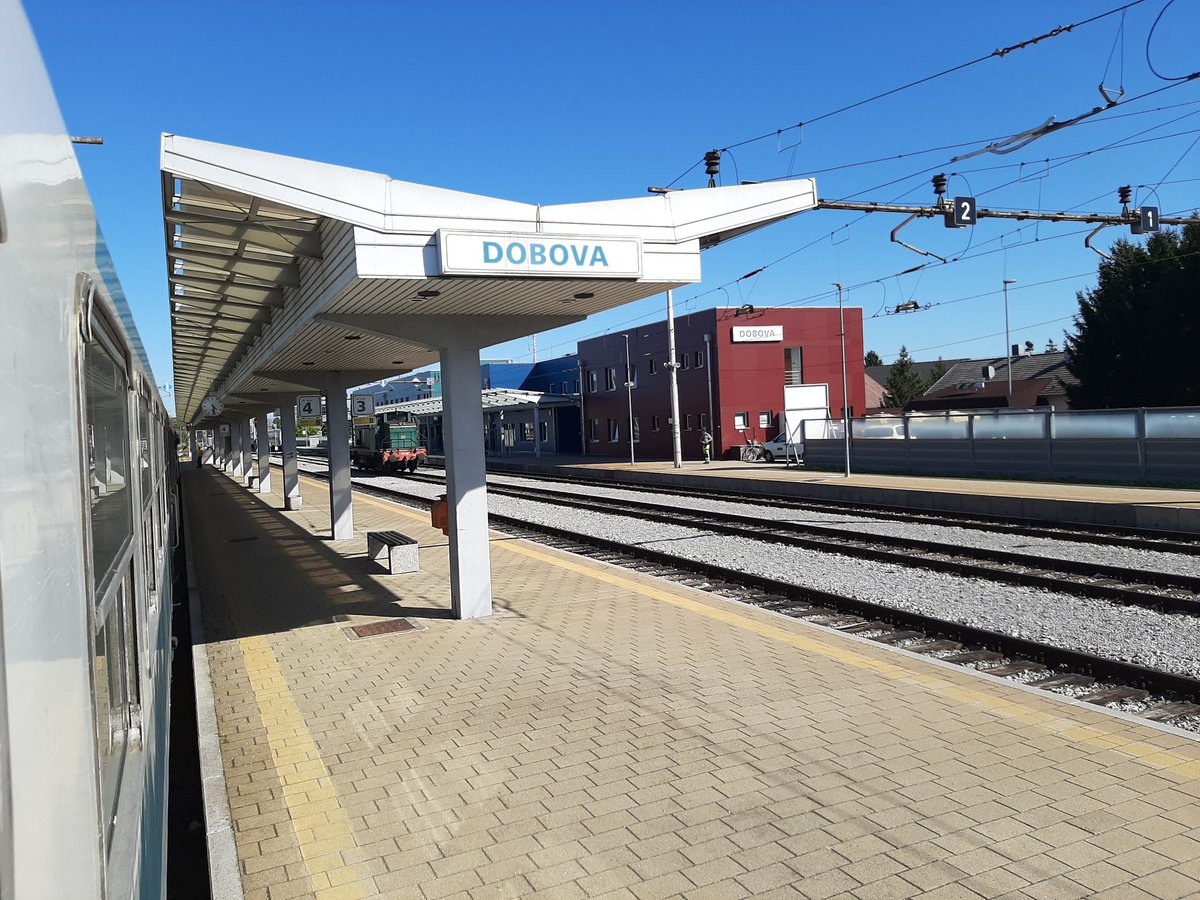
pixel 554 102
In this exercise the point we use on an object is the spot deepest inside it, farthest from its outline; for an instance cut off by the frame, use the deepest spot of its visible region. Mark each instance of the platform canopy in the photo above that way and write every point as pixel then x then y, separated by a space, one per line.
pixel 491 399
pixel 283 270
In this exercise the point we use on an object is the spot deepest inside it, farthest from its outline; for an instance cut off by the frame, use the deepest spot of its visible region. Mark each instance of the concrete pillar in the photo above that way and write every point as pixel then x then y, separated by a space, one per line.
pixel 291 475
pixel 235 438
pixel 264 454
pixel 247 455
pixel 466 487
pixel 341 510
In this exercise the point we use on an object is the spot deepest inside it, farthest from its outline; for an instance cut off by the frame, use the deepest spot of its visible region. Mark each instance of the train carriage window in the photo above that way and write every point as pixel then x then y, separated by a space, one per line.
pixel 146 455
pixel 112 662
pixel 106 396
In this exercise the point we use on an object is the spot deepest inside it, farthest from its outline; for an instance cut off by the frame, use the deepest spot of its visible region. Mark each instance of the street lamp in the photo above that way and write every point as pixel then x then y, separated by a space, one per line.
pixel 845 395
pixel 629 396
pixel 1007 343
pixel 672 367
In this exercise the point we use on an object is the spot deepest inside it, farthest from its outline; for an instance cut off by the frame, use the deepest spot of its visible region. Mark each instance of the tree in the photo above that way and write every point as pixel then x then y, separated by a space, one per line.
pixel 940 368
pixel 1138 329
pixel 903 384
pixel 872 359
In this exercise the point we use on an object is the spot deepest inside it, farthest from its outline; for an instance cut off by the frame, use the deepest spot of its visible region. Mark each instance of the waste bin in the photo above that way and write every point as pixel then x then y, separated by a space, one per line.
pixel 439 514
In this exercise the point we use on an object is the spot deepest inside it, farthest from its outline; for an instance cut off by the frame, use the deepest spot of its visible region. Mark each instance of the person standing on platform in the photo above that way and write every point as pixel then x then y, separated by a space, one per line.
pixel 706 446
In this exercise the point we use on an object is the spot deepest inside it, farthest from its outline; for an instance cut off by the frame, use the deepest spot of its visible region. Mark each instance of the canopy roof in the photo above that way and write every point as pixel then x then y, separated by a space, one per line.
pixel 492 399
pixel 283 270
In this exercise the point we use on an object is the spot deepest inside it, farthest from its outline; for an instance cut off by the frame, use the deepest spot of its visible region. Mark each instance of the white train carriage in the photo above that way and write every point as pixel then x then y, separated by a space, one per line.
pixel 87 521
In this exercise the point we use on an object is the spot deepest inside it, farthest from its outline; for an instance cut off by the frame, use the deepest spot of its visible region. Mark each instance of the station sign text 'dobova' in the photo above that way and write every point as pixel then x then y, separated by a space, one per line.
pixel 556 255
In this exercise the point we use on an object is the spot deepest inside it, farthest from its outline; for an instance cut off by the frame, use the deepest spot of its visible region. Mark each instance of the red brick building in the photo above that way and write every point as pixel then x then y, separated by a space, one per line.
pixel 733 367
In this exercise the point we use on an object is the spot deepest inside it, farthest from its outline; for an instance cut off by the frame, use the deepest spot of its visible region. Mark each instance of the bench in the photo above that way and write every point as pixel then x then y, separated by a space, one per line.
pixel 394 551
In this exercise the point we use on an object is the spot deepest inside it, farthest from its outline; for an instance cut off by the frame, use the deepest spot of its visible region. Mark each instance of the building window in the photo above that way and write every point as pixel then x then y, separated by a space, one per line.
pixel 562 388
pixel 655 423
pixel 704 421
pixel 632 370
pixel 544 427
pixel 575 386
pixel 610 378
pixel 764 419
pixel 793 366
pixel 614 431
pixel 594 431
pixel 653 367
pixel 741 421
pixel 699 359
pixel 637 430
pixel 687 422
pixel 591 382
pixel 527 432
pixel 686 360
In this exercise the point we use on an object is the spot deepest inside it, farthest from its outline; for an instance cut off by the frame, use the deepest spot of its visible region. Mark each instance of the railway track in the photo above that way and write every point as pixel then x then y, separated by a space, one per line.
pixel 1134 587
pixel 1140 539
pixel 1161 696
pixel 1168 592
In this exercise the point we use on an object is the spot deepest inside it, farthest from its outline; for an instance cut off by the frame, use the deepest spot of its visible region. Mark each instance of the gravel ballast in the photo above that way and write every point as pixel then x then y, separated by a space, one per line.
pixel 1145 637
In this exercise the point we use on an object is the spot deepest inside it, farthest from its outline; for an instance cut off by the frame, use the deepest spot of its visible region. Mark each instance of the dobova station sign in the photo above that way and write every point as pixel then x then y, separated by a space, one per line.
pixel 555 255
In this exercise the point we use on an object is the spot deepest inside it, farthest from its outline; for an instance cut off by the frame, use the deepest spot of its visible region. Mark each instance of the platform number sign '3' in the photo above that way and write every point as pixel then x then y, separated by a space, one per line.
pixel 362 405
pixel 965 211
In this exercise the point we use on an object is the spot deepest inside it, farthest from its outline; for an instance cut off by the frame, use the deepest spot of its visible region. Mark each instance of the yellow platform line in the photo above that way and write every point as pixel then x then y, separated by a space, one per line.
pixel 1097 736
pixel 323 831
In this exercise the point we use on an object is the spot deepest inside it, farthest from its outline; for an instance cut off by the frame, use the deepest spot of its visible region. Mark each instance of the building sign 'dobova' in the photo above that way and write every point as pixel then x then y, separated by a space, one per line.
pixel 750 333
pixel 556 255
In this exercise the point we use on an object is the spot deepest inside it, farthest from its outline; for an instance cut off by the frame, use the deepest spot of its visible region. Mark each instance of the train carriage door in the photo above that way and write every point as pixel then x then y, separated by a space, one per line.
pixel 112 480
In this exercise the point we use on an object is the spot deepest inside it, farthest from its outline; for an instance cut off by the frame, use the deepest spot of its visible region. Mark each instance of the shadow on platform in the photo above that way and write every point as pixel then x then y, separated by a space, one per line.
pixel 261 573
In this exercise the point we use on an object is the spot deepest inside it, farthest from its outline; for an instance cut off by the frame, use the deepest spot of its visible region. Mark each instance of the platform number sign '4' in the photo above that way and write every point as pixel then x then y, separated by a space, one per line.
pixel 964 211
pixel 309 406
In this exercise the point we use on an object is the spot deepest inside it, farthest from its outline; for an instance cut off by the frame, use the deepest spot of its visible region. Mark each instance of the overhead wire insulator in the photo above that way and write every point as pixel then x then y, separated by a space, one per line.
pixel 712 166
pixel 1124 194
pixel 939 185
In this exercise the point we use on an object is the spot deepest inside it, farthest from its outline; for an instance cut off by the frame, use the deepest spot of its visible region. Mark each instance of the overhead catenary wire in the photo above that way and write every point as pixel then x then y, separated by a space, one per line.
pixel 1150 62
pixel 999 53
pixel 808 173
pixel 1119 144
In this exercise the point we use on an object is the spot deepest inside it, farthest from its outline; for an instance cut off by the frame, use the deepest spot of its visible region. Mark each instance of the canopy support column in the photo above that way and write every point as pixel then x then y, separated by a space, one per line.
pixel 247 455
pixel 341 509
pixel 291 475
pixel 264 454
pixel 466 487
pixel 235 446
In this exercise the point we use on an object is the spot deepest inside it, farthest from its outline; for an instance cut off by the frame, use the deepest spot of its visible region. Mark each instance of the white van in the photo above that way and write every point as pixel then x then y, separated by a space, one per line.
pixel 780 448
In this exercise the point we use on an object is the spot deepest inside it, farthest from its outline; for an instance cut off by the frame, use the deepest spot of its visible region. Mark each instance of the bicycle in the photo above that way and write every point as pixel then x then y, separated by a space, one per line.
pixel 753 451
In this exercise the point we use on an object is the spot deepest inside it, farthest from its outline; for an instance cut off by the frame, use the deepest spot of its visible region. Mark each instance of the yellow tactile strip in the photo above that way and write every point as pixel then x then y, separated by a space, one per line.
pixel 588 742
pixel 322 830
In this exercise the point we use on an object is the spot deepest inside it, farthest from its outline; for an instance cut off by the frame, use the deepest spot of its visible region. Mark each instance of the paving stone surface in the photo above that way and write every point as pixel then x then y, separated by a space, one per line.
pixel 608 735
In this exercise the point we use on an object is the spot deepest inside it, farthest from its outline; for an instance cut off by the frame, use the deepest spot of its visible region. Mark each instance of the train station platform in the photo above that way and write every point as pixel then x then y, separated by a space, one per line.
pixel 606 734
pixel 1164 509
